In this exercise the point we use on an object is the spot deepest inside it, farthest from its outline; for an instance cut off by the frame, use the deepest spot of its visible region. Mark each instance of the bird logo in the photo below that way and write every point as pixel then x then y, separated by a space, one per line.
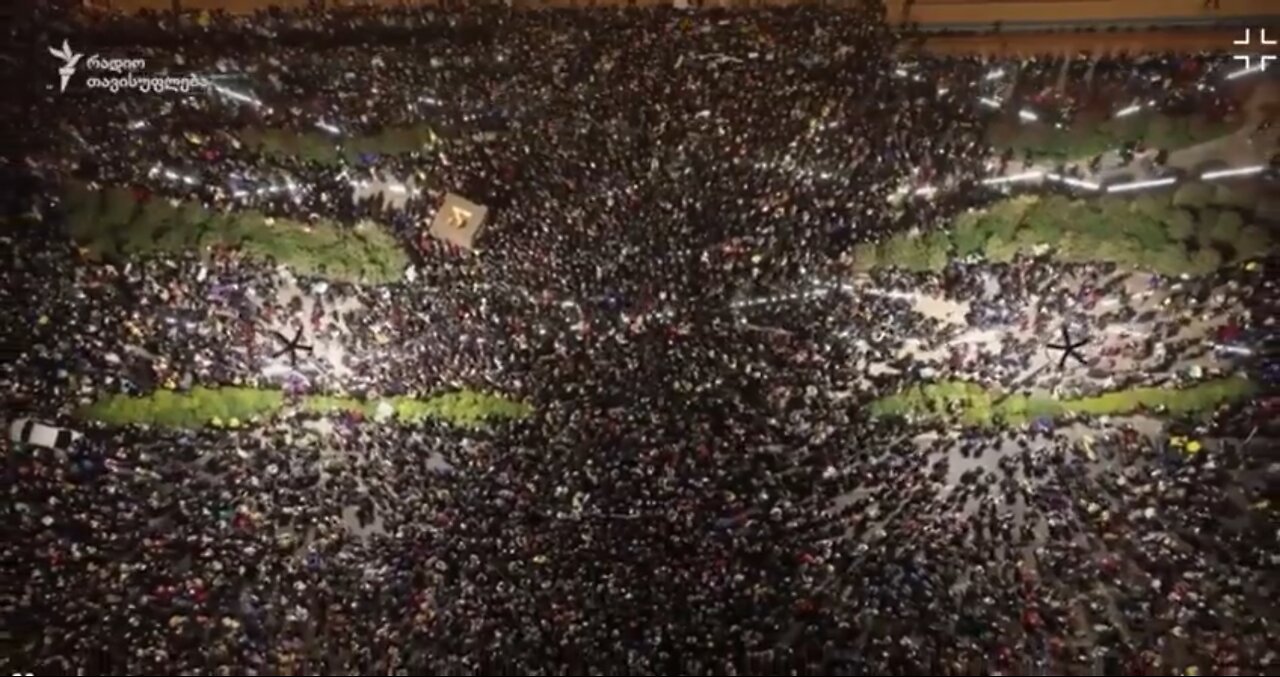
pixel 69 61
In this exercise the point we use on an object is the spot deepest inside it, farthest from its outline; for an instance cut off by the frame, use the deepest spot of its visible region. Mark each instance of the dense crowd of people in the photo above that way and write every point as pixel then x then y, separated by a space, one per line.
pixel 699 489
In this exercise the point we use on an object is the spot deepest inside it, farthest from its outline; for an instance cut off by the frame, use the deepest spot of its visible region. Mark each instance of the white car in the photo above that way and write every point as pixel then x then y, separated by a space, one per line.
pixel 28 431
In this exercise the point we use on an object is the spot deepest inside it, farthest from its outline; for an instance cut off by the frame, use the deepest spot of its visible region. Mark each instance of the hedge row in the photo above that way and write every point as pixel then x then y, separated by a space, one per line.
pixel 465 407
pixel 1088 135
pixel 1194 230
pixel 200 407
pixel 320 146
pixel 975 405
pixel 112 224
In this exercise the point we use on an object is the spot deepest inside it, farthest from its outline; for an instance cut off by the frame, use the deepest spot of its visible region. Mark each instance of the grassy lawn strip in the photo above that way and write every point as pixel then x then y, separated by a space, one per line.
pixel 1194 231
pixel 322 147
pixel 1091 133
pixel 974 405
pixel 112 225
pixel 201 407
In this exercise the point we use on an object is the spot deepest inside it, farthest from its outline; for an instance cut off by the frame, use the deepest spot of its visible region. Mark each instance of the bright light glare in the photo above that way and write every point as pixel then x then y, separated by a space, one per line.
pixel 1246 71
pixel 232 94
pixel 1025 176
pixel 990 102
pixel 1139 185
pixel 1028 115
pixel 996 74
pixel 1087 185
pixel 1078 183
pixel 1237 350
pixel 1239 171
pixel 328 127
pixel 1128 111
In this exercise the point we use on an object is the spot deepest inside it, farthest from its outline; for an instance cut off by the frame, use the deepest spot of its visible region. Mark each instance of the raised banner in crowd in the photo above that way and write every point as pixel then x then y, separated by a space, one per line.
pixel 459 221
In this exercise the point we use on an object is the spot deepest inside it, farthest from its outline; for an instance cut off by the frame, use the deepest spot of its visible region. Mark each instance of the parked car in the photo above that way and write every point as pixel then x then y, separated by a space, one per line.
pixel 29 431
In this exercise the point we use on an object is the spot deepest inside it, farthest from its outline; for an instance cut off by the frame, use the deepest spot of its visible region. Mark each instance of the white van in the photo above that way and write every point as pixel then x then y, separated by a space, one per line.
pixel 28 431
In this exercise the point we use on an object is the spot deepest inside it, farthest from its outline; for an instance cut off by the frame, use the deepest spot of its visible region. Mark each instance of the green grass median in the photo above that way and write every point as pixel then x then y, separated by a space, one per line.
pixel 202 407
pixel 973 404
pixel 110 224
pixel 1195 230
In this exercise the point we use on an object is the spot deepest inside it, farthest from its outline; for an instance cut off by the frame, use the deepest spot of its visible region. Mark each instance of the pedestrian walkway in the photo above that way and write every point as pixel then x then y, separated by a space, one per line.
pixel 1118 350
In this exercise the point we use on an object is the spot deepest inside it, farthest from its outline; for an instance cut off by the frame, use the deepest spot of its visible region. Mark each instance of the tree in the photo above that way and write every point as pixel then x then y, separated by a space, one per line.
pixel 907 252
pixel 213 232
pixel 1000 250
pixel 1206 222
pixel 153 215
pixel 937 250
pixel 1253 242
pixel 1205 261
pixel 1077 248
pixel 1095 219
pixel 1226 229
pixel 1147 231
pixel 1236 198
pixel 1005 216
pixel 367 253
pixel 118 208
pixel 142 234
pixel 1170 260
pixel 1178 224
pixel 1195 195
pixel 191 214
pixel 1115 250
pixel 969 234
pixel 1042 224
pixel 84 213
pixel 866 256
pixel 896 251
pixel 1129 251
pixel 917 255
pixel 1027 240
pixel 1150 206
